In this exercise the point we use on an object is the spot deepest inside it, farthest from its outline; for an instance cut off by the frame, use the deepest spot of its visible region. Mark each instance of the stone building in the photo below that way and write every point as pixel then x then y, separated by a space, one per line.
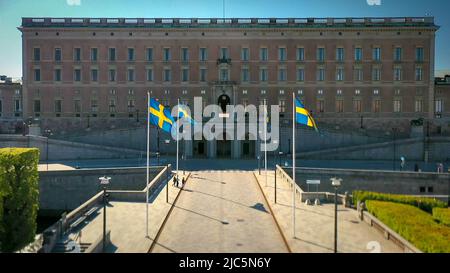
pixel 10 106
pixel 84 74
pixel 442 105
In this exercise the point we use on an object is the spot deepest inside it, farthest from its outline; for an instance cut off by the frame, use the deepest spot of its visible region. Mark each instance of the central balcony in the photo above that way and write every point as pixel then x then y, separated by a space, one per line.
pixel 223 61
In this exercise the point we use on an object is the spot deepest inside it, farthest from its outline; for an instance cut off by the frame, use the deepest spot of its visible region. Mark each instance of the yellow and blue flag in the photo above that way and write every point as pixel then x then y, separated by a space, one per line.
pixel 160 116
pixel 183 113
pixel 302 115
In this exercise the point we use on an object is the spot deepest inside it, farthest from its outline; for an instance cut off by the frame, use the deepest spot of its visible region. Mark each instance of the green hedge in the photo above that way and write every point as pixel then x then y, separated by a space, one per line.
pixel 442 215
pixel 19 197
pixel 413 224
pixel 426 204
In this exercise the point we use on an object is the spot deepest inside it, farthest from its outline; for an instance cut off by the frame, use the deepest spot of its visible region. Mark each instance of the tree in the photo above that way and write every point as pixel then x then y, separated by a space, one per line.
pixel 19 197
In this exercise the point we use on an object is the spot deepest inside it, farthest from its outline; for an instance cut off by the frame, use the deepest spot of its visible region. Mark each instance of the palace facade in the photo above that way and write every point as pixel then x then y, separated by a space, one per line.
pixel 94 73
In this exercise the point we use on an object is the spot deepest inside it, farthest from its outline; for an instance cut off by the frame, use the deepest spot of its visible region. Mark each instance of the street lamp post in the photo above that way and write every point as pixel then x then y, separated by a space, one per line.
pixel 259 165
pixel 104 181
pixel 394 151
pixel 275 186
pixel 362 120
pixel 24 130
pixel 167 142
pixel 259 151
pixel 30 121
pixel 48 133
pixel 336 183
pixel 448 197
pixel 184 157
pixel 289 146
pixel 159 152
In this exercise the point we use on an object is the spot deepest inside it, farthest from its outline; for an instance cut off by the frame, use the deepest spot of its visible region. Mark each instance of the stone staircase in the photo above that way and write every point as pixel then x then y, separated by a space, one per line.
pixel 71 246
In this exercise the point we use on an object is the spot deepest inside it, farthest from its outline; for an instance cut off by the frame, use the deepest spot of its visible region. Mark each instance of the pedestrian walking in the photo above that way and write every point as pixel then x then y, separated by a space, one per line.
pixel 416 167
pixel 402 163
pixel 183 181
pixel 175 183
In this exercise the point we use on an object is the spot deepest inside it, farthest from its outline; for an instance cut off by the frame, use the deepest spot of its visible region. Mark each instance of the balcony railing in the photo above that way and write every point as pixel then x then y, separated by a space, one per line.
pixel 227 22
pixel 224 83
pixel 223 61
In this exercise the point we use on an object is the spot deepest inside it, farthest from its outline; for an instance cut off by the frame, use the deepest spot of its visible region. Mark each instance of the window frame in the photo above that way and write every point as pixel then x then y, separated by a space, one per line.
pixel 57 75
pixel 94 54
pixel 131 58
pixel 112 54
pixel 57 56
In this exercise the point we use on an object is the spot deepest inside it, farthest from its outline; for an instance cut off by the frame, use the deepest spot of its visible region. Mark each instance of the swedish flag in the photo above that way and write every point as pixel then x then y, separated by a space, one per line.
pixel 302 115
pixel 160 116
pixel 183 113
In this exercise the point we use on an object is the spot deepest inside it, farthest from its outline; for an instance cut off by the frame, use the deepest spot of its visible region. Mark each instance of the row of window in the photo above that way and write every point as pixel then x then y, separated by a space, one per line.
pixel 300 92
pixel 245 74
pixel 17 106
pixel 224 54
pixel 320 106
pixel 376 105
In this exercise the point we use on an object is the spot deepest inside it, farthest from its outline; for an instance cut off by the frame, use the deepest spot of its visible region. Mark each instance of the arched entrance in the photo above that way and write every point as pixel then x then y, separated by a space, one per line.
pixel 223 101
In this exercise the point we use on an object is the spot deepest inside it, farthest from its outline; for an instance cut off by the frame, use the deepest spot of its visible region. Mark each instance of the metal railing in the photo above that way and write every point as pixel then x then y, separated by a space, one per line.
pixel 55 232
pixel 139 196
pixel 328 196
pixel 286 178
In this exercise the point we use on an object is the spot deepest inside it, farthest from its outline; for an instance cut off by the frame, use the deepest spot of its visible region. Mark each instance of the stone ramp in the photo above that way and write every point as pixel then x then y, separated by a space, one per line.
pixel 221 212
pixel 127 223
pixel 315 224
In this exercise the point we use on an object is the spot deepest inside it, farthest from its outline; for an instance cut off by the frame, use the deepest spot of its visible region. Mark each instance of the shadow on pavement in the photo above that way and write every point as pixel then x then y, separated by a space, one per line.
pixel 260 207
pixel 206 216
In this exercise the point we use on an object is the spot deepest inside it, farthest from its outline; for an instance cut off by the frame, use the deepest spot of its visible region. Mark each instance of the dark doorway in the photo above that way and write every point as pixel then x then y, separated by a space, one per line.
pixel 223 101
pixel 223 148
pixel 199 148
pixel 248 149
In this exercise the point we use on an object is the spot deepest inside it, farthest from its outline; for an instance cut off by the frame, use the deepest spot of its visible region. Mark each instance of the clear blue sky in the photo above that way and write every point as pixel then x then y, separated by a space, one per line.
pixel 11 12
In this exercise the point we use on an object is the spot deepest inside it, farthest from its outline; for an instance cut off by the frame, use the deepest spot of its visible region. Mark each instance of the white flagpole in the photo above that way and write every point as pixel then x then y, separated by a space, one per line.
pixel 178 117
pixel 293 163
pixel 265 138
pixel 148 161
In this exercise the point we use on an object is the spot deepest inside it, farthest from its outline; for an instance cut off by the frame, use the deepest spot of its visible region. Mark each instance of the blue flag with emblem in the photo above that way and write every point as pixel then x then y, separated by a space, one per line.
pixel 160 116
pixel 302 115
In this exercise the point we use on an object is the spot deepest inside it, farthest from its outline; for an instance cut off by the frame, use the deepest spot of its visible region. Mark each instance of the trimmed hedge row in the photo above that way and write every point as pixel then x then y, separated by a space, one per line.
pixel 442 215
pixel 413 224
pixel 19 197
pixel 423 203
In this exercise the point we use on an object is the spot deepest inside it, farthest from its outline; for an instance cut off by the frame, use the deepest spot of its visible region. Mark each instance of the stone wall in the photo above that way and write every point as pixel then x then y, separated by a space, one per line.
pixel 412 149
pixel 379 181
pixel 307 140
pixel 66 190
pixel 67 150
